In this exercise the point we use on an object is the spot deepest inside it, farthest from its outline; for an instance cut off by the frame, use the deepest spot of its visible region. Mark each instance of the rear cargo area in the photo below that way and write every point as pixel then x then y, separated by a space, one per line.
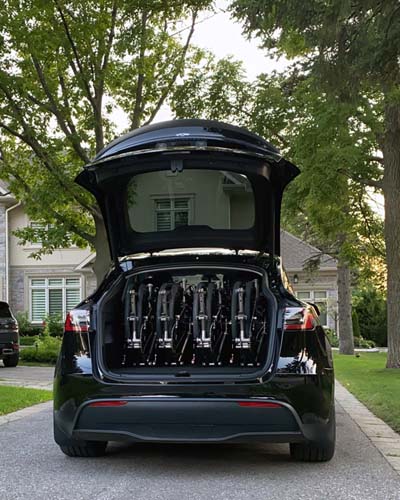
pixel 187 320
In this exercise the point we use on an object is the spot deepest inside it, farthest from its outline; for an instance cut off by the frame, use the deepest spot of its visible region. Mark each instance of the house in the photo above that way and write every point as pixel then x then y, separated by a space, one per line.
pixel 57 282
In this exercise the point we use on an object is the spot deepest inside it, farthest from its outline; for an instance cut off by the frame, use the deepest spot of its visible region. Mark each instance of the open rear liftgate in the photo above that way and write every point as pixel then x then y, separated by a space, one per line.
pixel 206 324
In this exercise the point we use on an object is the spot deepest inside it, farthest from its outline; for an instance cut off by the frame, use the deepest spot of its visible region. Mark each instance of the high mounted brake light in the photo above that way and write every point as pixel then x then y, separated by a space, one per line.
pixel 77 321
pixel 299 318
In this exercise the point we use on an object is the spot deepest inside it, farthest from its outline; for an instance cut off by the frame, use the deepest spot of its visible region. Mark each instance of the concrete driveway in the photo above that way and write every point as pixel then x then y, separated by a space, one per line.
pixel 32 467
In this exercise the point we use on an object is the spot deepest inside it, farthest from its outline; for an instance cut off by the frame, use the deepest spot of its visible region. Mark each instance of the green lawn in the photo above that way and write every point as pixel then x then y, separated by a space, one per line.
pixel 373 384
pixel 15 398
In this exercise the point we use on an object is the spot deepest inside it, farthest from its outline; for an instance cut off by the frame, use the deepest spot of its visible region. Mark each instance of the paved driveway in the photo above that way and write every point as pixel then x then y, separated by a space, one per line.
pixel 32 467
pixel 27 376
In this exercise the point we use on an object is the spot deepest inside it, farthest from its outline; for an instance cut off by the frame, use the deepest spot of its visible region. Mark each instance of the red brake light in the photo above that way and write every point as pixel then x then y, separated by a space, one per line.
pixel 77 321
pixel 108 403
pixel 299 318
pixel 259 404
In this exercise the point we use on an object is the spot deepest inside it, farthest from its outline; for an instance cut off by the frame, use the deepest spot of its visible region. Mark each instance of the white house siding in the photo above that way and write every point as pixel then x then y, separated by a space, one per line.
pixel 61 263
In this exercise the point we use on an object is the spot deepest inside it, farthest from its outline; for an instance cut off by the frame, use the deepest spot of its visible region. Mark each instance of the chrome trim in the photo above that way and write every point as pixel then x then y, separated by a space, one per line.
pixel 179 149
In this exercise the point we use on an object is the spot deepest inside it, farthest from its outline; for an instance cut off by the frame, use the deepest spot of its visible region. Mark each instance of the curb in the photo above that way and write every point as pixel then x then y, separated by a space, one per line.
pixel 383 437
pixel 25 412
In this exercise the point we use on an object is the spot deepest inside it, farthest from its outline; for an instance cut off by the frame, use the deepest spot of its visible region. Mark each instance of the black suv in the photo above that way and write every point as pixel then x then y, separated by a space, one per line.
pixel 9 337
pixel 194 334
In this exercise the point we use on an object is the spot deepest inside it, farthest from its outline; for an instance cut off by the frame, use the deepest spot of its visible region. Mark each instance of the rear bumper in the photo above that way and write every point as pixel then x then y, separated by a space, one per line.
pixel 8 349
pixel 191 420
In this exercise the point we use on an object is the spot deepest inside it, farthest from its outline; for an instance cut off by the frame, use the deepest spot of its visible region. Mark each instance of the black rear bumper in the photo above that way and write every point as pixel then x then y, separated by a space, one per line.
pixel 192 421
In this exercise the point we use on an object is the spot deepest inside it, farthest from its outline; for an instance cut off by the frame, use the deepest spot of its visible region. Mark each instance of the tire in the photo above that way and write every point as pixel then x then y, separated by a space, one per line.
pixel 316 451
pixel 75 448
pixel 11 361
pixel 88 449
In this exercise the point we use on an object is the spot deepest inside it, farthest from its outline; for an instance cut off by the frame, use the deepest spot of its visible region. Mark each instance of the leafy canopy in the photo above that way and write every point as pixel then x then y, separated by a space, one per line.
pixel 70 71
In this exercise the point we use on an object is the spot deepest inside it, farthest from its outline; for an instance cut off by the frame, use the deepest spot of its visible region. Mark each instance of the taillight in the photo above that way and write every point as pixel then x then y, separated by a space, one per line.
pixel 77 321
pixel 299 318
pixel 107 404
pixel 259 404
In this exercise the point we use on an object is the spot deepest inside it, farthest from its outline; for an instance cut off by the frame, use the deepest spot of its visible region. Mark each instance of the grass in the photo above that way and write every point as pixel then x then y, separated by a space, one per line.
pixel 15 398
pixel 373 384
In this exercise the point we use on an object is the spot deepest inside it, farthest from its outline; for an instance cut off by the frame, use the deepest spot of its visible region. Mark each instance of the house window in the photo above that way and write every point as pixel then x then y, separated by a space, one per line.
pixel 53 297
pixel 319 298
pixel 38 226
pixel 172 213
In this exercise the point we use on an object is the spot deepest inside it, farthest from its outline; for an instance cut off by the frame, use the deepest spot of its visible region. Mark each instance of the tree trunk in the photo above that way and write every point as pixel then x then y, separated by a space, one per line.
pixel 391 191
pixel 346 340
pixel 103 258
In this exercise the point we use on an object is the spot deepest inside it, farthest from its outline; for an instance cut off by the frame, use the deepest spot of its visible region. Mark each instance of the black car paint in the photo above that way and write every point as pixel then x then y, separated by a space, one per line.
pixel 9 334
pixel 308 395
pixel 301 379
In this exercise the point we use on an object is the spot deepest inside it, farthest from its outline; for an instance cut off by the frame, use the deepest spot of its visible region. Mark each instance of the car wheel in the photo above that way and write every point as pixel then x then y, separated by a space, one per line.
pixel 317 451
pixel 10 361
pixel 86 449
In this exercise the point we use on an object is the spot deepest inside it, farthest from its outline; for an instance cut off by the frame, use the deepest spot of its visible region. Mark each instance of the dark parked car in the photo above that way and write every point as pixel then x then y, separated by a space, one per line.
pixel 9 337
pixel 194 334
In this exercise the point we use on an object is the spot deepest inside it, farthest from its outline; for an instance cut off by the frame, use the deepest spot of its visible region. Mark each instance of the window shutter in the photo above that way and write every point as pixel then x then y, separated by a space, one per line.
pixel 55 302
pixel 38 304
pixel 73 297
pixel 163 221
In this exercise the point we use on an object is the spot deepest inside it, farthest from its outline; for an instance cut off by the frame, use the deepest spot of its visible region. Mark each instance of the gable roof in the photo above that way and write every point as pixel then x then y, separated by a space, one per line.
pixel 296 253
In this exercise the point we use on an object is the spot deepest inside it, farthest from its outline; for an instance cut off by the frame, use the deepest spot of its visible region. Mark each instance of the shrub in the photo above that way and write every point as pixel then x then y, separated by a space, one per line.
pixel 28 340
pixel 370 306
pixel 356 323
pixel 53 325
pixel 26 328
pixel 45 350
pixel 363 343
pixel 332 337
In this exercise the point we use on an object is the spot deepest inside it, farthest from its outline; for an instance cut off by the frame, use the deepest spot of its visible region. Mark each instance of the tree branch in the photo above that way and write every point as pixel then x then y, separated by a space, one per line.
pixel 61 219
pixel 53 107
pixel 80 72
pixel 29 138
pixel 175 75
pixel 138 109
pixel 367 182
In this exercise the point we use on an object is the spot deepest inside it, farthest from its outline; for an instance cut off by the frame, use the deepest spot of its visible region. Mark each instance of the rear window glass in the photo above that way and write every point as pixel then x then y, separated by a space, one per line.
pixel 4 310
pixel 166 200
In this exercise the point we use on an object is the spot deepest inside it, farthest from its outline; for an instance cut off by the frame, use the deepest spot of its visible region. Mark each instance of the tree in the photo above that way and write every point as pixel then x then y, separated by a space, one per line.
pixel 68 71
pixel 323 206
pixel 352 48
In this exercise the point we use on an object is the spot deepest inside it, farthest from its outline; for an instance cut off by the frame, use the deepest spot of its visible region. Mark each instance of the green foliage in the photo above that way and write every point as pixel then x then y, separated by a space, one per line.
pixel 356 324
pixel 26 328
pixel 363 343
pixel 68 72
pixel 332 337
pixel 370 306
pixel 45 350
pixel 53 325
pixel 28 341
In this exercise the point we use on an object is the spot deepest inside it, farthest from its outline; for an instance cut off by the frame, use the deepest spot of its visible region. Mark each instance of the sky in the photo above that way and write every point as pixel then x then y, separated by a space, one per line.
pixel 223 37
